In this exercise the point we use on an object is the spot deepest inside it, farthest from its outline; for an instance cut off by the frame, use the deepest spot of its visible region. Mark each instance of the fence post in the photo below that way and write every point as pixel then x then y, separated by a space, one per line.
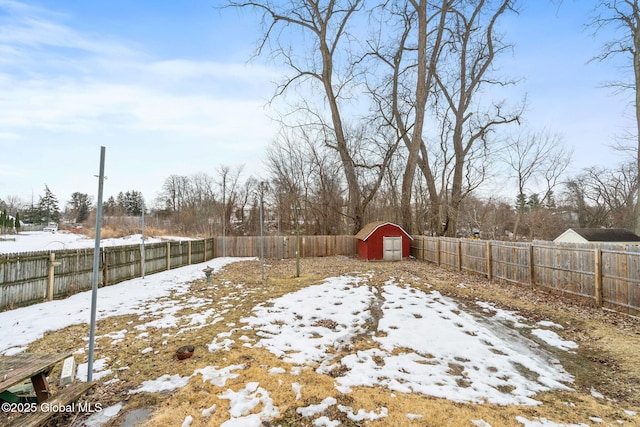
pixel 438 251
pixel 189 252
pixel 459 255
pixel 532 279
pixel 598 276
pixel 52 265
pixel 489 261
pixel 422 253
pixel 168 255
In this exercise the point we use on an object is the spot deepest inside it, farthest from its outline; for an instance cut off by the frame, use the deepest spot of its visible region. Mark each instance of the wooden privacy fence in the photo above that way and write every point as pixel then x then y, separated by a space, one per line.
pixel 28 278
pixel 607 274
pixel 279 247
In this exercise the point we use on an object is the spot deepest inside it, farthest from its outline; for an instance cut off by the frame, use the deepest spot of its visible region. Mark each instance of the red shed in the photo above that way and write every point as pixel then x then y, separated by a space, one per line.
pixel 383 240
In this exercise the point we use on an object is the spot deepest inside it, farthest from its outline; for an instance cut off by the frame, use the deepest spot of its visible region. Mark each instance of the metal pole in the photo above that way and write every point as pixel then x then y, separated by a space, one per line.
pixel 261 229
pixel 298 250
pixel 224 214
pixel 96 264
pixel 143 258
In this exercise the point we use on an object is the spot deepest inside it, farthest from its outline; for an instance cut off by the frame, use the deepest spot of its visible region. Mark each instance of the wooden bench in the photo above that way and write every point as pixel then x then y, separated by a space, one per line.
pixel 23 367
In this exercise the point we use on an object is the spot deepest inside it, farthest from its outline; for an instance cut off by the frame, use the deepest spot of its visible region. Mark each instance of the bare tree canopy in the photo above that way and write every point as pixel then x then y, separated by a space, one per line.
pixel 623 16
pixel 537 162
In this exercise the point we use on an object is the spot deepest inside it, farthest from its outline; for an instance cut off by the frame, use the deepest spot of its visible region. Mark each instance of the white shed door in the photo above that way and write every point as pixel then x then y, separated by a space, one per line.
pixel 392 248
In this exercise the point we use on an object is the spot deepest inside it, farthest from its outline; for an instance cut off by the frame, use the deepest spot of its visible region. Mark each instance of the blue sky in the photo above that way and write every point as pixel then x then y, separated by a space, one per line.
pixel 167 88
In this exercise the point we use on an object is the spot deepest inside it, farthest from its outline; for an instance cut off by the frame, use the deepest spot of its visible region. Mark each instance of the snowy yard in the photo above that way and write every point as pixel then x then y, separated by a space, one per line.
pixel 349 343
pixel 35 241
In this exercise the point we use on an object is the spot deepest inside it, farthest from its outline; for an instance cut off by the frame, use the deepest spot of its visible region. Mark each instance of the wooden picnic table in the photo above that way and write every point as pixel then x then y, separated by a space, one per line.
pixel 22 367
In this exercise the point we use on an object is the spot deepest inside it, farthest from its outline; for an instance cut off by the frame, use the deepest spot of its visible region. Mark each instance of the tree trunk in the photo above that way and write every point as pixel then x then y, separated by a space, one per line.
pixel 420 106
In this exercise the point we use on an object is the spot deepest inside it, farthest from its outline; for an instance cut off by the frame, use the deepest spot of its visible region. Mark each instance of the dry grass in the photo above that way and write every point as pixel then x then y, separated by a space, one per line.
pixel 114 232
pixel 606 360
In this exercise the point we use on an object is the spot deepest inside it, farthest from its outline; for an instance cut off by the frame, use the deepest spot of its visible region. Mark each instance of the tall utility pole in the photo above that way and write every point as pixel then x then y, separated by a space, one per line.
pixel 142 253
pixel 224 214
pixel 261 228
pixel 96 265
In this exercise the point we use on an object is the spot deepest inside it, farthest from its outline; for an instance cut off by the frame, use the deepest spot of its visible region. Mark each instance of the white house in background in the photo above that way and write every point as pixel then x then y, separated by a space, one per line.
pixel 598 235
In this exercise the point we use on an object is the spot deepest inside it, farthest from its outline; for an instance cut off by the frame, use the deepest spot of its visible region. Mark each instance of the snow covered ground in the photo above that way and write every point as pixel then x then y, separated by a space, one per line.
pixel 34 241
pixel 425 342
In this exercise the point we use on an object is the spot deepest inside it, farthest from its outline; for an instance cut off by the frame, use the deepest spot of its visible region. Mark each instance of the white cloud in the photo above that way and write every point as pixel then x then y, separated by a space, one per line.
pixel 64 87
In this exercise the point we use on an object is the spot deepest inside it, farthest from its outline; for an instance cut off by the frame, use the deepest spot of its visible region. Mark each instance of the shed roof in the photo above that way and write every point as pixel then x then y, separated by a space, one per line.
pixel 607 234
pixel 370 228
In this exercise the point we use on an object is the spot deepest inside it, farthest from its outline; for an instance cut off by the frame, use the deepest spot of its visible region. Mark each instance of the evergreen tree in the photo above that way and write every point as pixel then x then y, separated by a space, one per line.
pixel 18 225
pixel 48 207
pixel 110 207
pixel 78 207
pixel 534 201
pixel 32 215
pixel 131 202
pixel 3 221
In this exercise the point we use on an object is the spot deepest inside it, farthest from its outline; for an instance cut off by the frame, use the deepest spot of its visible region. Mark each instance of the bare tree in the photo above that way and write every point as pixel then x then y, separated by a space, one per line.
pixel 228 184
pixel 13 204
pixel 436 68
pixel 464 70
pixel 604 197
pixel 323 62
pixel 292 174
pixel 307 185
pixel 624 17
pixel 535 159
pixel 410 61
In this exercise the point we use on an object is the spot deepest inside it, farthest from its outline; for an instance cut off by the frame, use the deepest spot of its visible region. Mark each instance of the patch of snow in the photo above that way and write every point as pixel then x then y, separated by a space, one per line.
pixel 224 345
pixel 209 411
pixel 14 350
pixel 99 370
pixel 297 388
pixel 549 324
pixel 164 383
pixel 554 339
pixel 187 421
pixel 311 410
pixel 543 422
pixel 362 414
pixel 322 319
pixel 245 401
pixel 480 423
pixel 325 422
pixel 218 377
pixel 135 296
pixel 414 416
pixel 448 337
pixel 485 359
pixel 506 316
pixel 596 393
